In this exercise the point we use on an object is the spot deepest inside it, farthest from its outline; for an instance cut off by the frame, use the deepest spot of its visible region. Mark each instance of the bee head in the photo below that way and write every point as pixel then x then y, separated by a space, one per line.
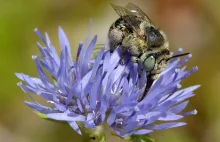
pixel 154 63
pixel 154 37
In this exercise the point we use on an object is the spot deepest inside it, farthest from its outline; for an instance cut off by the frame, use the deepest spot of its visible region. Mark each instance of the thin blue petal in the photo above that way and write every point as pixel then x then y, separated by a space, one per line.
pixel 66 117
pixel 75 127
pixel 142 132
pixel 166 126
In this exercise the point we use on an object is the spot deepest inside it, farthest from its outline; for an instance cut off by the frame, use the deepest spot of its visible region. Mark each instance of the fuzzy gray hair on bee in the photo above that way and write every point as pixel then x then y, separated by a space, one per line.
pixel 135 33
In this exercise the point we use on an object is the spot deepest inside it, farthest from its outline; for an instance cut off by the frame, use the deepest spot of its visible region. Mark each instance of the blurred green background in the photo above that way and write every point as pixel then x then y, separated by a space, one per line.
pixel 193 25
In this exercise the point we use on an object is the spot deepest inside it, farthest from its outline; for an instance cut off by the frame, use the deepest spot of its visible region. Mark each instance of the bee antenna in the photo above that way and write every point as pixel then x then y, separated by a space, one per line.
pixel 175 56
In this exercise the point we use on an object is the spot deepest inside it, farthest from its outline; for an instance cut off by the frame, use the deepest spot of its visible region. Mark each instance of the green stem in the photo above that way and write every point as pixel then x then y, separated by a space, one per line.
pixel 102 132
pixel 140 138
pixel 96 134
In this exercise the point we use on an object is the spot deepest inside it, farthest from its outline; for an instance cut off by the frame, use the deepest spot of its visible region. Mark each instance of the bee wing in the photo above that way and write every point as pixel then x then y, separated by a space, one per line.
pixel 135 10
pixel 127 15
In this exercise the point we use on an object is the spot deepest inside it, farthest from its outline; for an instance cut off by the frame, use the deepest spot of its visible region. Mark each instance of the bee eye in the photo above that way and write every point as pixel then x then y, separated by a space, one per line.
pixel 149 63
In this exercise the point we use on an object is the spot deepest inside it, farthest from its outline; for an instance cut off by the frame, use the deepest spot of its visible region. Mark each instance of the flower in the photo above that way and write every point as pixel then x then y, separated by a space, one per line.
pixel 101 90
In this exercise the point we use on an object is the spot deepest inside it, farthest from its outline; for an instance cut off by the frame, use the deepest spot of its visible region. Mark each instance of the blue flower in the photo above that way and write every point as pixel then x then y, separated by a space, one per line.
pixel 101 90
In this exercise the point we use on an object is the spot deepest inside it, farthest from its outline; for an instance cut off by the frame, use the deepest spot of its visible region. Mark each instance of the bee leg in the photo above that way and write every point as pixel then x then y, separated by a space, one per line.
pixel 134 59
pixel 147 88
pixel 122 60
pixel 115 36
pixel 123 51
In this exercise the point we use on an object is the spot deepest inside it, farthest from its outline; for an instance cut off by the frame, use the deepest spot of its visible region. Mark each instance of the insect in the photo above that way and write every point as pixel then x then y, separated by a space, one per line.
pixel 136 34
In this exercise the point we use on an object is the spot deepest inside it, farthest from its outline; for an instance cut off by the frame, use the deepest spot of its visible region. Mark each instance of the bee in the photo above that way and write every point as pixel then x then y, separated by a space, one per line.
pixel 136 34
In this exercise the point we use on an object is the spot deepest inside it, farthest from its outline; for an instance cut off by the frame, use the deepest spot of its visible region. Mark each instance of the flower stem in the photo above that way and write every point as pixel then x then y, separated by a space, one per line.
pixel 96 134
pixel 140 138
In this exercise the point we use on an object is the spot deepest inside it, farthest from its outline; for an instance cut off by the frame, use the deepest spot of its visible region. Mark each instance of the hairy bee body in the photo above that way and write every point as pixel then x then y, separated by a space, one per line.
pixel 120 33
pixel 135 33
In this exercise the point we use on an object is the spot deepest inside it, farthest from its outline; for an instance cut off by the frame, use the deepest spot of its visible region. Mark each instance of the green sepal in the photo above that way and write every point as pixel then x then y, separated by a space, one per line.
pixel 140 138
pixel 44 116
pixel 54 81
pixel 41 115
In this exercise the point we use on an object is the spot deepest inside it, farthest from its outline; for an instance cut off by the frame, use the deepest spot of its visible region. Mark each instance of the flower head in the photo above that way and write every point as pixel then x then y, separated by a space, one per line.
pixel 101 90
